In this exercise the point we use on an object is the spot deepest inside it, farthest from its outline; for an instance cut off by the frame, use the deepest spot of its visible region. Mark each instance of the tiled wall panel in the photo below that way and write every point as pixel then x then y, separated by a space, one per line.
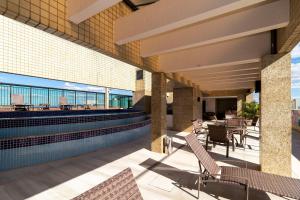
pixel 96 32
pixel 29 51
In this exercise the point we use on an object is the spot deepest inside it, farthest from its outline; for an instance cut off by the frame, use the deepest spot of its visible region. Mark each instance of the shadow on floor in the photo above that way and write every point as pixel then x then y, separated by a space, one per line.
pixel 28 181
pixel 187 181
pixel 296 144
pixel 221 157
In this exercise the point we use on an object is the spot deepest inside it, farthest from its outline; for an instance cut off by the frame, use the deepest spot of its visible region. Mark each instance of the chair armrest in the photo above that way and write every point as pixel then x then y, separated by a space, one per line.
pixel 236 161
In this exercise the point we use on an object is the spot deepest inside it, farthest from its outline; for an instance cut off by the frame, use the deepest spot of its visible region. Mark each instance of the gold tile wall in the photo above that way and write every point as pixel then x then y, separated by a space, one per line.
pixel 29 51
pixel 96 32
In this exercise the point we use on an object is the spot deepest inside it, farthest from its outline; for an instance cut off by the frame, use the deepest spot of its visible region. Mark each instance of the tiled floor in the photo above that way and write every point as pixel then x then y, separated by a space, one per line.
pixel 158 176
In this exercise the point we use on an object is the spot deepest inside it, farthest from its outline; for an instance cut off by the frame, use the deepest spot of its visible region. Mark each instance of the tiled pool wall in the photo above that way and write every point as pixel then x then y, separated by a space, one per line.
pixel 17 114
pixel 26 141
pixel 31 126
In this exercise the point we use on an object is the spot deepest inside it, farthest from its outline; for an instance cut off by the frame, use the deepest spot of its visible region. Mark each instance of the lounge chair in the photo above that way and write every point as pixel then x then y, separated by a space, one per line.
pixel 121 186
pixel 219 134
pixel 212 172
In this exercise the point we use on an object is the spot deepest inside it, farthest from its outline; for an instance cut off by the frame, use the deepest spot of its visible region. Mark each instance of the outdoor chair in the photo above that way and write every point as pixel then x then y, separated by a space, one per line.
pixel 219 134
pixel 121 186
pixel 212 172
pixel 241 124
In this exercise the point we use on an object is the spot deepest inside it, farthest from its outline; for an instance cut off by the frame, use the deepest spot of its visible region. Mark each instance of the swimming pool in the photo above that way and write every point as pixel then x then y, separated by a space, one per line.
pixel 25 143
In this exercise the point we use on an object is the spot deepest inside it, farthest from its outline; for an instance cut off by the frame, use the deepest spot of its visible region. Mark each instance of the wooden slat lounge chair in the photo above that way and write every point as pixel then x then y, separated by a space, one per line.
pixel 121 186
pixel 212 172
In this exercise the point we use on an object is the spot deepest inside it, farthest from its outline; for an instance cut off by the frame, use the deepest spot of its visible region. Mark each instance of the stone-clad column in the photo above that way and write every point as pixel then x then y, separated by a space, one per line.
pixel 240 100
pixel 275 100
pixel 158 111
pixel 186 107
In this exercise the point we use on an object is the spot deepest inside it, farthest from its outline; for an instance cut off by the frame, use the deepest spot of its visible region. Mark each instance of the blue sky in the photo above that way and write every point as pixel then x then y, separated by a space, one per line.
pixel 296 72
pixel 33 81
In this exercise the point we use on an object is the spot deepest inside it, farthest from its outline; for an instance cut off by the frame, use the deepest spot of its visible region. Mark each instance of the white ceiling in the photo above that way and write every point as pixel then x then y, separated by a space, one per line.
pixel 216 44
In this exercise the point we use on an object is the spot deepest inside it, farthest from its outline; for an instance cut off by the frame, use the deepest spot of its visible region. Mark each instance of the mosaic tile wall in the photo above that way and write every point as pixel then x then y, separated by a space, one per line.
pixel 18 114
pixel 72 119
pixel 18 152
pixel 147 81
pixel 29 51
pixel 96 32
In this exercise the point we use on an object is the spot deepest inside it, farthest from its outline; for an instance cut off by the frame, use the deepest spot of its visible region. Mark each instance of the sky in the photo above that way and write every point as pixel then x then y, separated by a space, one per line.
pixel 296 72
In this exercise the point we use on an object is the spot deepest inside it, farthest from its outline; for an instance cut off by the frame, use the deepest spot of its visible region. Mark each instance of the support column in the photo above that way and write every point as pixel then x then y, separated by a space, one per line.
pixel 106 98
pixel 158 111
pixel 186 107
pixel 240 100
pixel 275 101
pixel 141 97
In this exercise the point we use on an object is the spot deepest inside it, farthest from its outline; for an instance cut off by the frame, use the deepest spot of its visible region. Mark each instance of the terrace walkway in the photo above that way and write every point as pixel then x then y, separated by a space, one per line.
pixel 157 176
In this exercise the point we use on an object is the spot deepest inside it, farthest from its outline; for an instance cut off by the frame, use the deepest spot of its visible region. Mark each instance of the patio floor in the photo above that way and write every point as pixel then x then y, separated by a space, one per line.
pixel 158 176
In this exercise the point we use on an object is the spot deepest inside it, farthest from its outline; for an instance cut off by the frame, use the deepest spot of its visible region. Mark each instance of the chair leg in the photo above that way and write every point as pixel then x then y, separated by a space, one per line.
pixel 233 146
pixel 247 192
pixel 206 146
pixel 199 186
pixel 227 150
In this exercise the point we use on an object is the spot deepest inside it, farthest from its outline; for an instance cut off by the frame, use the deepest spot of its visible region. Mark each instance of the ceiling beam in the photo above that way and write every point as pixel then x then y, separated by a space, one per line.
pixel 243 23
pixel 239 69
pixel 244 50
pixel 225 93
pixel 224 78
pixel 163 16
pixel 289 37
pixel 79 10
pixel 228 86
pixel 222 74
pixel 228 81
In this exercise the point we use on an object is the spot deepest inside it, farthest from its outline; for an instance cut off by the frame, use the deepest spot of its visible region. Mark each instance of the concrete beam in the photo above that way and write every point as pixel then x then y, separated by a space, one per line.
pixel 238 51
pixel 227 79
pixel 288 37
pixel 225 93
pixel 239 69
pixel 163 16
pixel 78 10
pixel 244 23
pixel 227 86
pixel 229 74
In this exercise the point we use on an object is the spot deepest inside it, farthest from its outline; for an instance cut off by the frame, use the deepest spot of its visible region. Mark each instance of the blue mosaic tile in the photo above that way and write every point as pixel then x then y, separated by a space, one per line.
pixel 47 139
pixel 42 121
pixel 18 114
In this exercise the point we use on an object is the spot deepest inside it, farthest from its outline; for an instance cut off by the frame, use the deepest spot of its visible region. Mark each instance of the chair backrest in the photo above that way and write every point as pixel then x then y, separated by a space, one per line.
pixel 205 159
pixel 217 133
pixel 120 186
pixel 238 121
pixel 63 100
pixel 197 125
pixel 17 99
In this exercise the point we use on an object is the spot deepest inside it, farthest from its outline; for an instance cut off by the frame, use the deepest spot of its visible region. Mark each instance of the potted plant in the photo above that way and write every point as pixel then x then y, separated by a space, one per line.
pixel 250 111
